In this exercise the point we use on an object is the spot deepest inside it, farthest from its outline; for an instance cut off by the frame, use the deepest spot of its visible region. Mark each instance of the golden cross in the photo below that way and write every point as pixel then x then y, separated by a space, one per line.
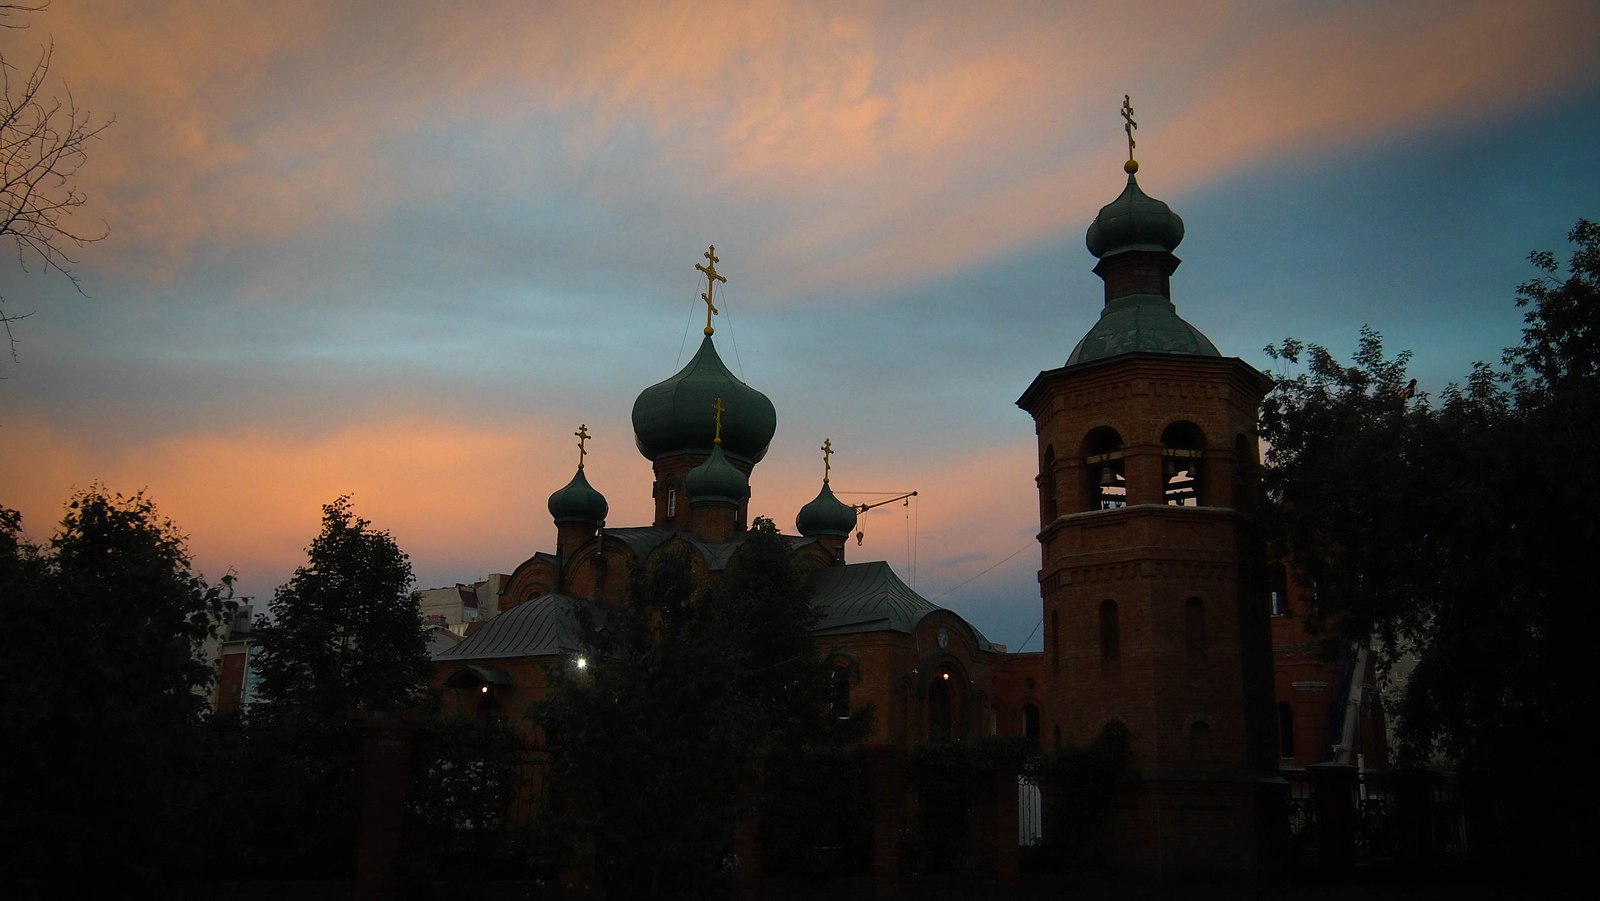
pixel 712 277
pixel 583 435
pixel 827 451
pixel 717 405
pixel 1129 126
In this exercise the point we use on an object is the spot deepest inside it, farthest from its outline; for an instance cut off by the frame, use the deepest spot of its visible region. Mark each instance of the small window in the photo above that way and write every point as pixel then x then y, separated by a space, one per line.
pixel 840 687
pixel 1030 724
pixel 1278 589
pixel 672 502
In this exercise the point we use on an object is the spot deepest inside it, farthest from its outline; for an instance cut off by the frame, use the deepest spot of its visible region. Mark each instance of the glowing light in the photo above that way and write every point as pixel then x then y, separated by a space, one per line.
pixel 583 663
pixel 484 689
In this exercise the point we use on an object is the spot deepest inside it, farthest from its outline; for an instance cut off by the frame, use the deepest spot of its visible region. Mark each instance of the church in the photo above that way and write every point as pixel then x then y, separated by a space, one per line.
pixel 1154 608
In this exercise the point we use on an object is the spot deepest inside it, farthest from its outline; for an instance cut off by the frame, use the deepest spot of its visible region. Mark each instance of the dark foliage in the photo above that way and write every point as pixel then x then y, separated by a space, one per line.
pixel 1455 535
pixel 1078 786
pixel 816 816
pixel 346 631
pixel 102 690
pixel 688 687
pixel 467 777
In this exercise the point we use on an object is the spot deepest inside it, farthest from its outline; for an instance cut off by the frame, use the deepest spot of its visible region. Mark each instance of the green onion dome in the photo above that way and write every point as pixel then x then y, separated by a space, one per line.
pixel 1134 221
pixel 827 515
pixel 578 502
pixel 676 415
pixel 716 480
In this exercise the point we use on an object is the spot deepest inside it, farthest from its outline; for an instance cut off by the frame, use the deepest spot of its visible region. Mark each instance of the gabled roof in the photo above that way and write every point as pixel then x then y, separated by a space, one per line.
pixel 542 627
pixel 641 540
pixel 869 597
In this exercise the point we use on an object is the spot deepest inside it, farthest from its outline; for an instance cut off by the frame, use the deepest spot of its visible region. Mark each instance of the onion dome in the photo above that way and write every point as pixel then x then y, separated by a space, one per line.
pixel 676 415
pixel 716 480
pixel 1134 221
pixel 827 515
pixel 578 502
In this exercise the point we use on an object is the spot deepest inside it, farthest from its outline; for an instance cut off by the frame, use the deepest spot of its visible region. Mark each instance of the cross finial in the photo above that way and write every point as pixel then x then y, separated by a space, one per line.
pixel 827 451
pixel 712 277
pixel 1129 126
pixel 717 406
pixel 583 435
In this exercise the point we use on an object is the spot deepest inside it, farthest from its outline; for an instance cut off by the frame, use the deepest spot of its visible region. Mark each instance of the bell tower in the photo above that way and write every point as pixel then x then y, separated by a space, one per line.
pixel 1153 615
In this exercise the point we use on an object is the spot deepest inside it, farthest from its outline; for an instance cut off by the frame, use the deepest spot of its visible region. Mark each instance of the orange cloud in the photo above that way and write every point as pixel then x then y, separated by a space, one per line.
pixel 881 142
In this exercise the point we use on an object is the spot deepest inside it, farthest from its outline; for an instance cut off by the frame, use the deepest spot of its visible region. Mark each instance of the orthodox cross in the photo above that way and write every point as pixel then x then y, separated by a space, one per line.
pixel 827 451
pixel 583 435
pixel 1129 126
pixel 717 406
pixel 712 277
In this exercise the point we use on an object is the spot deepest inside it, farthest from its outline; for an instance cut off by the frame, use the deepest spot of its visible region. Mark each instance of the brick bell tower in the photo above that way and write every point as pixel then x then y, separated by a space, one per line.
pixel 1154 615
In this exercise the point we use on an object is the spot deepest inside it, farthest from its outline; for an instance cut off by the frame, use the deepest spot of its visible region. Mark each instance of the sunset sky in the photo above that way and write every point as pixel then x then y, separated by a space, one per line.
pixel 401 250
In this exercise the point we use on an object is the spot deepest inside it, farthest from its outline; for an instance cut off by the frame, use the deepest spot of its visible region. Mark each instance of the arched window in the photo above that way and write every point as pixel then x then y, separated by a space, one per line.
pixel 1278 589
pixel 672 502
pixel 839 687
pixel 939 707
pixel 1030 724
pixel 1182 444
pixel 1110 637
pixel 1047 487
pixel 1102 459
pixel 1194 633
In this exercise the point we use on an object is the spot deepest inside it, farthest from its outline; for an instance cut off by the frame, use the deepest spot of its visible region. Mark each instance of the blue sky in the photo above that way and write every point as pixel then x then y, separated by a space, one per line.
pixel 404 255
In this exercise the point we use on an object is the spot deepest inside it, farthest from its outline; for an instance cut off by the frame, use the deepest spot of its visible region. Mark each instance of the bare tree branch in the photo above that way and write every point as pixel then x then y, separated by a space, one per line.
pixel 43 144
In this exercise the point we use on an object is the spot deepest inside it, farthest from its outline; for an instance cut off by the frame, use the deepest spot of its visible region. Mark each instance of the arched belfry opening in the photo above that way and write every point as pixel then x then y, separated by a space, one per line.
pixel 1103 467
pixel 1182 446
pixel 1048 505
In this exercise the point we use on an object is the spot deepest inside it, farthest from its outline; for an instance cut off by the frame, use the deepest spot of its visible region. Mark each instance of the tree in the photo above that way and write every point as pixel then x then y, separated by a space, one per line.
pixel 102 681
pixel 1459 534
pixel 688 687
pixel 44 141
pixel 346 630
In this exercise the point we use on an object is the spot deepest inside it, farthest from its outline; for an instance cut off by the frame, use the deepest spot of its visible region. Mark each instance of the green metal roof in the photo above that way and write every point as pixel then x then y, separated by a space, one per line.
pixel 543 627
pixel 1140 322
pixel 716 480
pixel 1134 221
pixel 869 597
pixel 826 515
pixel 676 415
pixel 578 502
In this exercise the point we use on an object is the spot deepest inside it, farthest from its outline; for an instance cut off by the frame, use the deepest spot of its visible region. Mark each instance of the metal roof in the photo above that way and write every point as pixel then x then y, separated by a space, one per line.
pixel 541 627
pixel 869 597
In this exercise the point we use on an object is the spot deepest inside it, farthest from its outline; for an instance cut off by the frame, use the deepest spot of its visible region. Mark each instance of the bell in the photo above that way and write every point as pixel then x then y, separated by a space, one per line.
pixel 1107 477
